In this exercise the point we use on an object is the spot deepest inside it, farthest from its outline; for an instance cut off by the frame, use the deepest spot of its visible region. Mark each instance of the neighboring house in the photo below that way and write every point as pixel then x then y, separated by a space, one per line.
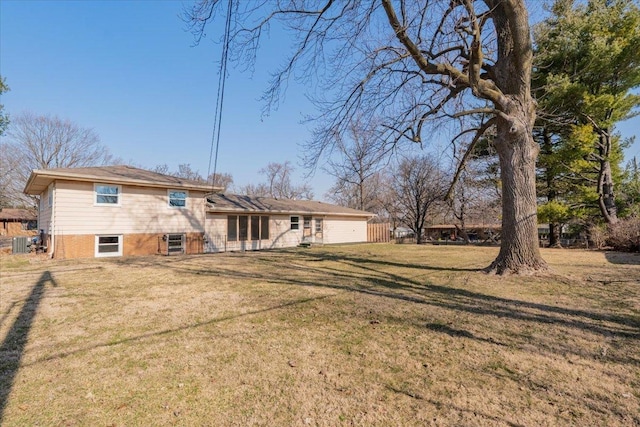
pixel 250 223
pixel 122 210
pixel 18 222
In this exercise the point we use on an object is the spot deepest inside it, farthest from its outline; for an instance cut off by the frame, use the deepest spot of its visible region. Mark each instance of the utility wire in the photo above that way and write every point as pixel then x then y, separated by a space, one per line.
pixel 217 120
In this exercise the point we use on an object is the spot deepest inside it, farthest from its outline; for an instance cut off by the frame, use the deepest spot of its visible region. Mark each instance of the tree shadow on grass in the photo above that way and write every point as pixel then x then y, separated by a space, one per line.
pixel 368 276
pixel 623 258
pixel 488 418
pixel 13 346
pixel 142 337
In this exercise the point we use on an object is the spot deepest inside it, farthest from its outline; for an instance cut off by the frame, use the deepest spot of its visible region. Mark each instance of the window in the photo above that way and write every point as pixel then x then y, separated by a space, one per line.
pixel 107 194
pixel 232 228
pixel 255 227
pixel 50 196
pixel 175 244
pixel 295 223
pixel 29 225
pixel 177 198
pixel 307 223
pixel 243 227
pixel 108 245
pixel 264 227
pixel 318 225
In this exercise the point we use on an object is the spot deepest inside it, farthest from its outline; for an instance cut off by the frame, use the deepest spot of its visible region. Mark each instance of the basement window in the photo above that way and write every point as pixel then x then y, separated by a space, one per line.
pixel 109 245
pixel 175 244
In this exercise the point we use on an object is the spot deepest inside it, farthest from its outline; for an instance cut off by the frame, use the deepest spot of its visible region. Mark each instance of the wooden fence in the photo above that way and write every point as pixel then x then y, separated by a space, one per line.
pixel 379 233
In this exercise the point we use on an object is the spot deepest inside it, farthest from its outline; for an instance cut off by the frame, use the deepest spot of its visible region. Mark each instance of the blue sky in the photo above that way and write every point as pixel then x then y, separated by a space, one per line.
pixel 129 70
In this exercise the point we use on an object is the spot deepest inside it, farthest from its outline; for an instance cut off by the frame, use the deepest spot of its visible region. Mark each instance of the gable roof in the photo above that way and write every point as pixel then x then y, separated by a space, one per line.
pixel 9 214
pixel 233 203
pixel 40 179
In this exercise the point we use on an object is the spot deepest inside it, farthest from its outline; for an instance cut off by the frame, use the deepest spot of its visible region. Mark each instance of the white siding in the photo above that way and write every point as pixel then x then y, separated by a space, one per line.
pixel 44 214
pixel 335 230
pixel 344 230
pixel 141 210
pixel 280 234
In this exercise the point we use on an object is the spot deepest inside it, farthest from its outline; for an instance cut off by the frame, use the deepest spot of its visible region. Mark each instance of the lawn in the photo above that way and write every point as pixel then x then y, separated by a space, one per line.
pixel 376 334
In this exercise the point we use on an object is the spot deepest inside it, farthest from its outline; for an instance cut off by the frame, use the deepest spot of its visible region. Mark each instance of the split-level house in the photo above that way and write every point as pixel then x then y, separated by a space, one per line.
pixel 122 211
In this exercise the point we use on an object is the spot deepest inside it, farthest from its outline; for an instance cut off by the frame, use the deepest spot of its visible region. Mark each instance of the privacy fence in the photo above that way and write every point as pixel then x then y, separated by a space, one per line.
pixel 379 233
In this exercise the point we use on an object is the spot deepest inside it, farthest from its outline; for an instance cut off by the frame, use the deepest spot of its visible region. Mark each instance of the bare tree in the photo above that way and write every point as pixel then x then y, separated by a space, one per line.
pixel 10 183
pixel 418 185
pixel 364 192
pixel 4 118
pixel 163 169
pixel 222 180
pixel 356 171
pixel 45 142
pixel 255 190
pixel 186 172
pixel 279 183
pixel 413 64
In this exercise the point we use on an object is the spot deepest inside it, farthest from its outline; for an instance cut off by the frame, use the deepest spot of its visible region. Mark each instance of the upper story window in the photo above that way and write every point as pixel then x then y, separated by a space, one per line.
pixel 177 198
pixel 107 194
pixel 295 223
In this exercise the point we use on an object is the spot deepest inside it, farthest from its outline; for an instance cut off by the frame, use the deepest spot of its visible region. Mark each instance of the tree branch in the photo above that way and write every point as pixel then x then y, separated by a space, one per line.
pixel 480 132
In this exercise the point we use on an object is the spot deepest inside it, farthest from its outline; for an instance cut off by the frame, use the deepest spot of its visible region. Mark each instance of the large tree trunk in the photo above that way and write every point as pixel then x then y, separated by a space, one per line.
pixel 554 235
pixel 517 151
pixel 606 196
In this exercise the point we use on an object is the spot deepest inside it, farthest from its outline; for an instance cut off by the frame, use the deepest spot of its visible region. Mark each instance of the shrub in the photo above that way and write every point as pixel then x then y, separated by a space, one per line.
pixel 625 235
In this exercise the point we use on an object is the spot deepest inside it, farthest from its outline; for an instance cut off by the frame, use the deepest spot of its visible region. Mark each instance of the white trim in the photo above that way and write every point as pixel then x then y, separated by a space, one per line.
pixel 108 254
pixel 95 194
pixel 186 198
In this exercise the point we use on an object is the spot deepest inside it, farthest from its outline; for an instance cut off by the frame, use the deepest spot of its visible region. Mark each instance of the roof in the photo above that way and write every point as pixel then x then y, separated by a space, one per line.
pixel 128 175
pixel 8 214
pixel 233 203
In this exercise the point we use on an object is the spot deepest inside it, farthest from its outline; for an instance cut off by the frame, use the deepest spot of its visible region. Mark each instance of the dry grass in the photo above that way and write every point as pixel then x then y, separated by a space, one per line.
pixel 348 335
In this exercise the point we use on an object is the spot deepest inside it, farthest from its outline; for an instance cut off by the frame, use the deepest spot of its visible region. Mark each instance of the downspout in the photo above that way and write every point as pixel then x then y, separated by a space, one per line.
pixel 52 225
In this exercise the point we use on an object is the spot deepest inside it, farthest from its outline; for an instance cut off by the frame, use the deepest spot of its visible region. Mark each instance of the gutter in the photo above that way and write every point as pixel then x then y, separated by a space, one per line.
pixel 44 173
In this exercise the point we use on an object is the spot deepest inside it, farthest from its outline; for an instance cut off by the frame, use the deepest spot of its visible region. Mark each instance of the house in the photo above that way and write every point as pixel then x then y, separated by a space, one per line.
pixel 122 210
pixel 18 222
pixel 118 210
pixel 249 223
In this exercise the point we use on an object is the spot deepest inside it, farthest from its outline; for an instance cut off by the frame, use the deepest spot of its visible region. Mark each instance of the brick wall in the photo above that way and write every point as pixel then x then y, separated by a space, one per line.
pixel 74 246
pixel 83 246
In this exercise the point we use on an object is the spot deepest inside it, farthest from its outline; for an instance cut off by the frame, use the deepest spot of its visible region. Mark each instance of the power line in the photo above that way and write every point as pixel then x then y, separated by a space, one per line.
pixel 222 77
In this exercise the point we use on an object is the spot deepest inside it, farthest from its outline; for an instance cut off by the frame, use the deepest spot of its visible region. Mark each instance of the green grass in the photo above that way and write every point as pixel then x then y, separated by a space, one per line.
pixel 345 335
